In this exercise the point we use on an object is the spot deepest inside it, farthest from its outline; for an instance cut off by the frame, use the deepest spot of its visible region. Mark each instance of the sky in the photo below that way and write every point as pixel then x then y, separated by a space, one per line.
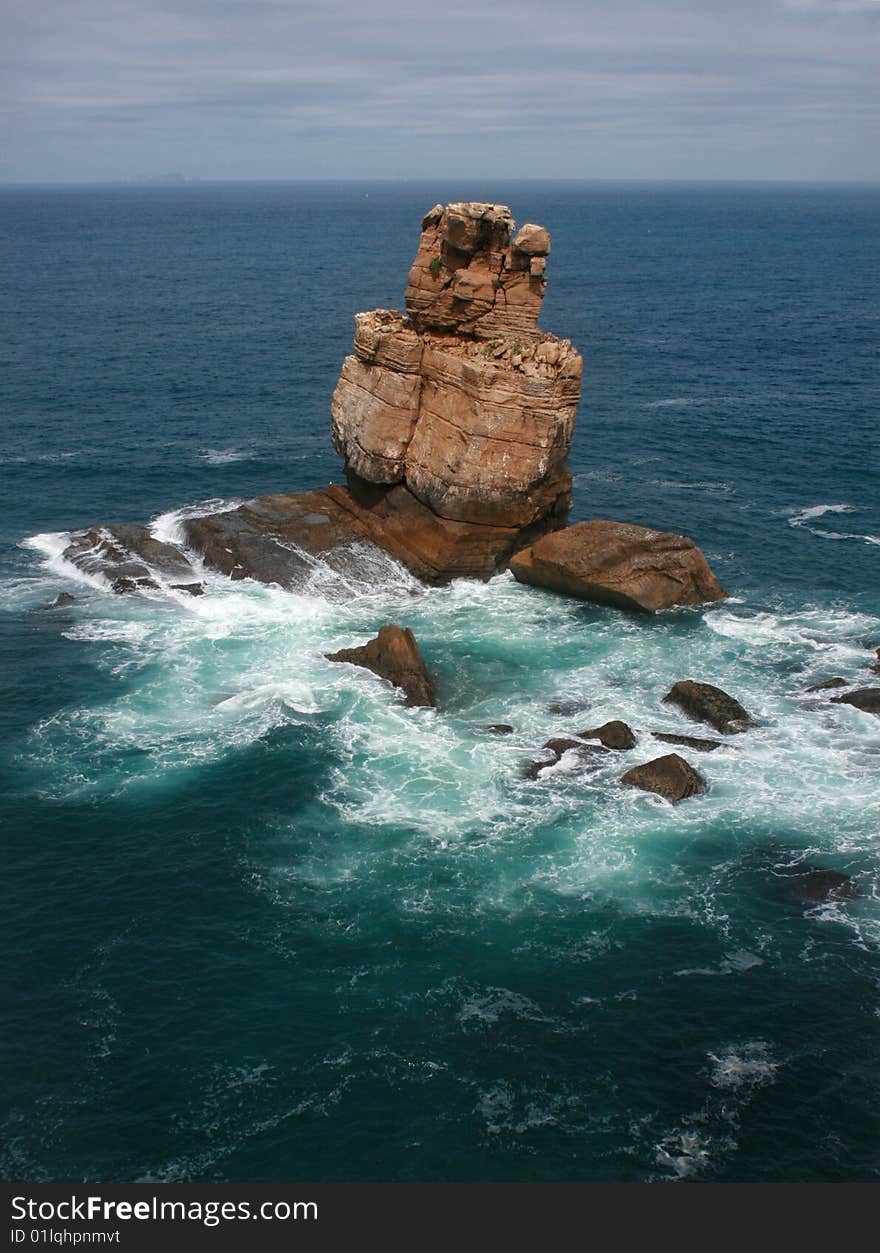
pixel 97 90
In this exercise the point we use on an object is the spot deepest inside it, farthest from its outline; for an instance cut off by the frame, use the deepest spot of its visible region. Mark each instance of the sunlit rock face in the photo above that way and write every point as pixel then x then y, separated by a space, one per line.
pixel 463 404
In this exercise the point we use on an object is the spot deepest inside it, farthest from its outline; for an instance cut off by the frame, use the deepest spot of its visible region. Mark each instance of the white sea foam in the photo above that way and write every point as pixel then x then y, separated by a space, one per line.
pixel 744 1065
pixel 803 518
pixel 223 456
pixel 51 545
pixel 205 676
pixel 168 527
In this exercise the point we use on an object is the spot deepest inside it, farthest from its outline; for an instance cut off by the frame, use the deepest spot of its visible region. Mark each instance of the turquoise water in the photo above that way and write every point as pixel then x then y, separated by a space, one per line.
pixel 263 922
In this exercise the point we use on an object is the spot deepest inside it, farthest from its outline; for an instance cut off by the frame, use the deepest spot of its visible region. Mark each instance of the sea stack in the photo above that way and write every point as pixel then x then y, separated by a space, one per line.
pixel 455 419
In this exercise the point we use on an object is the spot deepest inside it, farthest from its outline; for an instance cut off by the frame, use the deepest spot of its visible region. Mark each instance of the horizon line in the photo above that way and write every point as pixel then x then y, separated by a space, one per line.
pixel 178 181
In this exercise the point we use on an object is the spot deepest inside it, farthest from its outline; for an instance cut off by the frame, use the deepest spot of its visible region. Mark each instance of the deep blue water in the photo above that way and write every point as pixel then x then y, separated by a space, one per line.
pixel 262 922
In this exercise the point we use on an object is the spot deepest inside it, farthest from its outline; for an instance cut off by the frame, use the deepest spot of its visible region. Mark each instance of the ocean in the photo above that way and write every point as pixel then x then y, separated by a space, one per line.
pixel 264 923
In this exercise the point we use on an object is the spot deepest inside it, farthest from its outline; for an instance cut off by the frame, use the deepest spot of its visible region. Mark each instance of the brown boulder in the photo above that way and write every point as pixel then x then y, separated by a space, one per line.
pixel 670 777
pixel 826 685
pixel 866 698
pixel 393 655
pixel 615 563
pixel 705 703
pixel 613 734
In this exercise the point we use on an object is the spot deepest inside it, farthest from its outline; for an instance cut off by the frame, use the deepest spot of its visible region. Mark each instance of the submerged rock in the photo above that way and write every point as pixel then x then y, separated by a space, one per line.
pixel 826 685
pixel 498 728
pixel 866 698
pixel 687 741
pixel 614 734
pixel 670 777
pixel 567 708
pixel 393 655
pixel 812 884
pixel 706 703
pixel 61 601
pixel 615 563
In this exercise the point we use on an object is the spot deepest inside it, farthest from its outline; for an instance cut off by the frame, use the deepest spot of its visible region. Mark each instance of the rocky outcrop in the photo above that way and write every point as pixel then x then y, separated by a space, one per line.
pixel 129 558
pixel 455 420
pixel 393 655
pixel 670 777
pixel 615 563
pixel 615 734
pixel 273 539
pixel 705 703
pixel 866 698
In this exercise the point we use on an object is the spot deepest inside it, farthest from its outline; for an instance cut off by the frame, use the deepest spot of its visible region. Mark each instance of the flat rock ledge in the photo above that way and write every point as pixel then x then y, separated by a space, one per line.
pixel 393 655
pixel 670 777
pixel 618 564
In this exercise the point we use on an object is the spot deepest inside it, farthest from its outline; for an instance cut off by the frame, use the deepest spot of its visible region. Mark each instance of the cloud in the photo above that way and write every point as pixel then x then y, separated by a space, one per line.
pixel 223 88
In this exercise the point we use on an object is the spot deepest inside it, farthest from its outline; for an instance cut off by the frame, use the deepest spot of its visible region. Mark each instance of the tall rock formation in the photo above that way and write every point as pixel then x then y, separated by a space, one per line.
pixel 455 420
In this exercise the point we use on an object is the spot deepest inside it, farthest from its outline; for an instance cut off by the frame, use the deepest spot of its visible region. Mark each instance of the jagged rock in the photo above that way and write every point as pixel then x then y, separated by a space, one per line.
pixel 705 703
pixel 455 422
pixel 687 741
pixel 393 655
pixel 613 734
pixel 827 684
pixel 615 563
pixel 128 556
pixel 125 584
pixel 194 589
pixel 498 728
pixel 61 601
pixel 470 277
pixel 670 777
pixel 866 698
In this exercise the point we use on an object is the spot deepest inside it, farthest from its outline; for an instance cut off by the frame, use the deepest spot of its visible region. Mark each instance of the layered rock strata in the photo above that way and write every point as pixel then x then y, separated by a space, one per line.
pixel 455 419
pixel 616 563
